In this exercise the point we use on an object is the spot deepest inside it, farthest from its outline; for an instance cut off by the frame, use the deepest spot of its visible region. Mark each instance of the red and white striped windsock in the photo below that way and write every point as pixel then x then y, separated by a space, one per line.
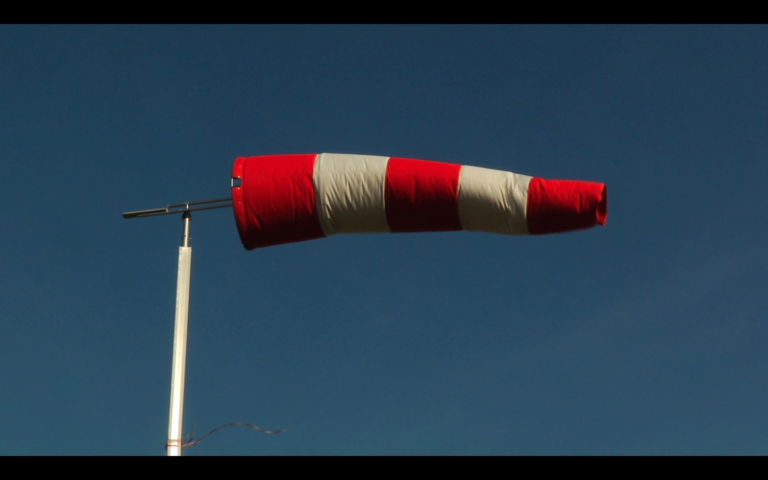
pixel 291 198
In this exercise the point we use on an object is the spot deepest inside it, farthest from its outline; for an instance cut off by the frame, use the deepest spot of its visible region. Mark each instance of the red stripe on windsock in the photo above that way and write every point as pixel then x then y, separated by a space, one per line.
pixel 422 196
pixel 275 203
pixel 562 205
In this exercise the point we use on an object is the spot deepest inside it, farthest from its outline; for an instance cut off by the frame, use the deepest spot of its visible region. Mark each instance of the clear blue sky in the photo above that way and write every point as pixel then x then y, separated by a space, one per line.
pixel 646 336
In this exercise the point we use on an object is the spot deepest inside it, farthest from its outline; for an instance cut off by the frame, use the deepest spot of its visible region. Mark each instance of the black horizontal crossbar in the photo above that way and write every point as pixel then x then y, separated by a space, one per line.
pixel 181 208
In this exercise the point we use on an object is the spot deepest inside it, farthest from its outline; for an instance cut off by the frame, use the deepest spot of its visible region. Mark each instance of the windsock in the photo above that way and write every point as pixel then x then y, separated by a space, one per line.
pixel 291 198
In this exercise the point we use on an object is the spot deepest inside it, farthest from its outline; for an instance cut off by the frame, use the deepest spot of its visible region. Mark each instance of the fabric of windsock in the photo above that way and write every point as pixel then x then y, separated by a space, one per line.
pixel 292 198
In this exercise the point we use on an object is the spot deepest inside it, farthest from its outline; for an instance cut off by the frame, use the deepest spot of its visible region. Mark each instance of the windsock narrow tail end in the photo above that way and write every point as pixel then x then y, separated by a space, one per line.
pixel 556 206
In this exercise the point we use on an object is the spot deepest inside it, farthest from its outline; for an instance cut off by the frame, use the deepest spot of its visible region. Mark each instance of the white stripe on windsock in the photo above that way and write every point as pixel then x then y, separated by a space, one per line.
pixel 493 201
pixel 350 193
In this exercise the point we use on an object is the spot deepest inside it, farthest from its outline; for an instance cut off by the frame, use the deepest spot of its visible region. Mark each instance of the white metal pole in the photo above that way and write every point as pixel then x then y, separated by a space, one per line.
pixel 175 440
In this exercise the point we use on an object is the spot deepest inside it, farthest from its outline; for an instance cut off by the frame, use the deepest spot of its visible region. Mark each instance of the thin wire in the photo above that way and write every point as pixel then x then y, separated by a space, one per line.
pixel 236 424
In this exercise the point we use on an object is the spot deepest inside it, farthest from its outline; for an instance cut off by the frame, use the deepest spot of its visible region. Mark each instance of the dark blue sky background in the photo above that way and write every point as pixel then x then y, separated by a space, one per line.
pixel 646 336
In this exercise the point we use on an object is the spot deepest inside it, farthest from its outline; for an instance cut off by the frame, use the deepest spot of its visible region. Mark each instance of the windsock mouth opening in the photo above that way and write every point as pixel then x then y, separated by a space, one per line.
pixel 274 200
